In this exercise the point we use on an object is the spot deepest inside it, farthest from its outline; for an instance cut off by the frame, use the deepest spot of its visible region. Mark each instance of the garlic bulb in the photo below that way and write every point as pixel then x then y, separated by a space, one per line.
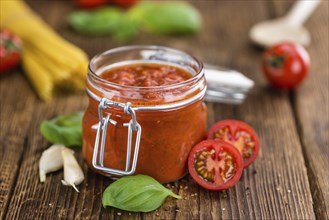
pixel 50 161
pixel 73 174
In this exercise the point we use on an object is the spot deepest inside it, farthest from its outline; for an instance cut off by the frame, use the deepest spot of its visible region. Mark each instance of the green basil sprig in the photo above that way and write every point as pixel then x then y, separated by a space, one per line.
pixel 65 129
pixel 138 193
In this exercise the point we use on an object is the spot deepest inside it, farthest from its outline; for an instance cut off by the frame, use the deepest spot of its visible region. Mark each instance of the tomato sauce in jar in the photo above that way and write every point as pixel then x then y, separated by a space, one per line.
pixel 146 74
pixel 165 89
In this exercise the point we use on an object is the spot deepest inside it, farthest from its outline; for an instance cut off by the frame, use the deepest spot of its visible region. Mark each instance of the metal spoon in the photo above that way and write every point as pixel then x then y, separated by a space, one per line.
pixel 287 28
pixel 225 85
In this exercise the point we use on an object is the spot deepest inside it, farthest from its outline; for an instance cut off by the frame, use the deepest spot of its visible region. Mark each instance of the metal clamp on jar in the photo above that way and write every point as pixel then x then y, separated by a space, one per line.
pixel 101 135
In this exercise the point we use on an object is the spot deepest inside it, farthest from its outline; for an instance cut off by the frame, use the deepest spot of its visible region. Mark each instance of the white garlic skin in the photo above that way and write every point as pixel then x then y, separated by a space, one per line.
pixel 73 174
pixel 50 161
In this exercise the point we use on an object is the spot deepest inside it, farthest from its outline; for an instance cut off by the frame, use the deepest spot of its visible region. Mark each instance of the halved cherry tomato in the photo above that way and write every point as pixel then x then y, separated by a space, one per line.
pixel 285 65
pixel 240 135
pixel 215 164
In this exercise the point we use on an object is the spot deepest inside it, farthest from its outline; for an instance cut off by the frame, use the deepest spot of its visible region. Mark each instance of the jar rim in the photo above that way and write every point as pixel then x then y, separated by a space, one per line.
pixel 198 71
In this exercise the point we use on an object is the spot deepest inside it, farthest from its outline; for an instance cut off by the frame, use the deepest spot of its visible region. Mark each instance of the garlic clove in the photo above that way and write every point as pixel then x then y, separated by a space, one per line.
pixel 50 161
pixel 68 184
pixel 73 174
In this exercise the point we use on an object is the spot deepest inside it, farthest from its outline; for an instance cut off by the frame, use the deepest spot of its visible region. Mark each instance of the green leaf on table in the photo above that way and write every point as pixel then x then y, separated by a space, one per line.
pixel 167 17
pixel 66 129
pixel 127 29
pixel 105 20
pixel 138 193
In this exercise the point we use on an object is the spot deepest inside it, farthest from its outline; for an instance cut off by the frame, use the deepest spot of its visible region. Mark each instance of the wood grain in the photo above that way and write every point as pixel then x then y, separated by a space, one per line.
pixel 13 131
pixel 279 185
pixel 311 104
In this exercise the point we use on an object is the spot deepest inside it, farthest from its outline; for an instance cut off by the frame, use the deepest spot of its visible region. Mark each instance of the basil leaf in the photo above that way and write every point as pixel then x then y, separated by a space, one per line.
pixel 138 193
pixel 105 20
pixel 155 17
pixel 127 29
pixel 167 17
pixel 65 130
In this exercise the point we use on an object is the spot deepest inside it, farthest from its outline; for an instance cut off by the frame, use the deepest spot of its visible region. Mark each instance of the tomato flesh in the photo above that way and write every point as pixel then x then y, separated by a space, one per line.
pixel 240 135
pixel 215 165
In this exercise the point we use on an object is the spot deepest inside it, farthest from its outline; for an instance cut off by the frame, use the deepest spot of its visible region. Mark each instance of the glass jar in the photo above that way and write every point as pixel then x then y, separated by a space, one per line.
pixel 143 130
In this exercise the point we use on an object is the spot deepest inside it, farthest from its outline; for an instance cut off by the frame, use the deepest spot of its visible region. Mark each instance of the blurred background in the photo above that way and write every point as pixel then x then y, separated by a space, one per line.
pixel 45 50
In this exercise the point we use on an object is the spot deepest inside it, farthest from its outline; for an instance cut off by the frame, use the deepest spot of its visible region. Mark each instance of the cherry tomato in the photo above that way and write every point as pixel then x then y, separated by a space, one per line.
pixel 124 3
pixel 90 3
pixel 10 50
pixel 215 164
pixel 285 65
pixel 240 135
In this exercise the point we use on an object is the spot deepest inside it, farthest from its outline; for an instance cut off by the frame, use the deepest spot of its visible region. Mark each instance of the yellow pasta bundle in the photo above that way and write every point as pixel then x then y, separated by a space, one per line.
pixel 50 62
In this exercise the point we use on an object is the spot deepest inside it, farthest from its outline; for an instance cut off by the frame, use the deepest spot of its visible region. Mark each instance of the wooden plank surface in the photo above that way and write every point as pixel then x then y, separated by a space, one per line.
pixel 13 129
pixel 311 104
pixel 279 185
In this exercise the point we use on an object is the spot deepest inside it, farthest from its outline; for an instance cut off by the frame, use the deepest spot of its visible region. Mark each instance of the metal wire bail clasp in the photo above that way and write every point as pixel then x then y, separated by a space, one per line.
pixel 98 156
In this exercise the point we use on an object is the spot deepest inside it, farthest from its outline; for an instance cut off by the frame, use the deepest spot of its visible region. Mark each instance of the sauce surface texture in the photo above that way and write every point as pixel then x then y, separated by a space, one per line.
pixel 146 75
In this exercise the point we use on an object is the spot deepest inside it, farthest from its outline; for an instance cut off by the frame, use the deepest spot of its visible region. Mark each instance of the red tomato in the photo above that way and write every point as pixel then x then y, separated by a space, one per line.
pixel 90 3
pixel 240 135
pixel 124 3
pixel 215 165
pixel 285 65
pixel 10 50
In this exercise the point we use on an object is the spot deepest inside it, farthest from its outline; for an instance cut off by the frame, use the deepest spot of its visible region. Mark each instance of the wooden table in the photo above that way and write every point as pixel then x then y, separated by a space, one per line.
pixel 289 180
